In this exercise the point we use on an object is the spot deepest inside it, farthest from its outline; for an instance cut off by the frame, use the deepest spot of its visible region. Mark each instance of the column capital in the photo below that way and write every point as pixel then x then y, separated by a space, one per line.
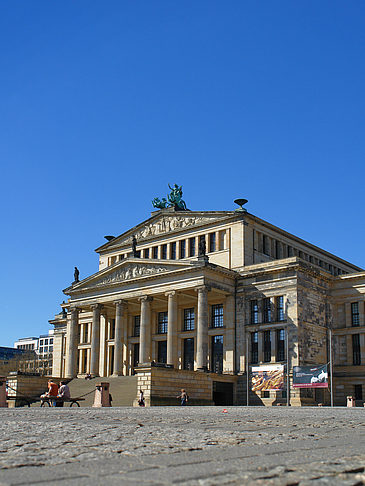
pixel 203 288
pixel 145 298
pixel 120 302
pixel 74 309
pixel 96 306
pixel 170 293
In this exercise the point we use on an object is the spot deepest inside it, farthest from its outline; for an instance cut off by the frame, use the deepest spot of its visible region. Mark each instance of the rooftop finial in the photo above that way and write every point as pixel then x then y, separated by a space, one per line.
pixel 241 202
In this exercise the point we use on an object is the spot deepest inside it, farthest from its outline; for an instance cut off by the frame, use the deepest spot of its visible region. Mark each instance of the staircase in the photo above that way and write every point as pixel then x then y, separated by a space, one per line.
pixel 122 388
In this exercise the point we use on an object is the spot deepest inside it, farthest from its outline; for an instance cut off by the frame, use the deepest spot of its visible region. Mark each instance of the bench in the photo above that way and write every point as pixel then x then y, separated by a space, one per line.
pixel 51 400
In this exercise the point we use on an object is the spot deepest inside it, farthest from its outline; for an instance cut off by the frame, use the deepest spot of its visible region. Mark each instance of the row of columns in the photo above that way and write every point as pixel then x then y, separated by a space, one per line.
pixel 145 334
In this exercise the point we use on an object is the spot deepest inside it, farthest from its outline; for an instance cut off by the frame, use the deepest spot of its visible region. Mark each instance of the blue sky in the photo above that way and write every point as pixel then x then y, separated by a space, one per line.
pixel 102 104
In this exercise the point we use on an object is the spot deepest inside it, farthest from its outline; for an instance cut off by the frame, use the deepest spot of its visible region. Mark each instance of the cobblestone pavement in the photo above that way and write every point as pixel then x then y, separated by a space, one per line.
pixel 197 446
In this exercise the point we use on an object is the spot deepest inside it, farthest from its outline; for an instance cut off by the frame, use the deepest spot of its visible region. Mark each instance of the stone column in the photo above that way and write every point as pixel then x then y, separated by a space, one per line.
pixel 118 338
pixel 95 340
pixel 202 329
pixel 145 329
pixel 172 328
pixel 72 348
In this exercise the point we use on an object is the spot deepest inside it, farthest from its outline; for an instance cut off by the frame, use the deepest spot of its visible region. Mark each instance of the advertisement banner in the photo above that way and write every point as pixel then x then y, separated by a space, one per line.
pixel 315 376
pixel 269 377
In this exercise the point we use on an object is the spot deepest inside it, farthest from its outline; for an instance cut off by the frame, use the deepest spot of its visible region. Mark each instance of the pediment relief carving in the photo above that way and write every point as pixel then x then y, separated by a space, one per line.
pixel 129 272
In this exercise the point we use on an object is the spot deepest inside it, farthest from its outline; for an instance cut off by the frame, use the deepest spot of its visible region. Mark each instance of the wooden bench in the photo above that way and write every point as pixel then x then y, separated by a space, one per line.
pixel 51 400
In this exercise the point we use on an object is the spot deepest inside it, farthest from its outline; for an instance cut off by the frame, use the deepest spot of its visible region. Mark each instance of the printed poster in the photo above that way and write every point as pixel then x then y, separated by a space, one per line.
pixel 269 377
pixel 315 376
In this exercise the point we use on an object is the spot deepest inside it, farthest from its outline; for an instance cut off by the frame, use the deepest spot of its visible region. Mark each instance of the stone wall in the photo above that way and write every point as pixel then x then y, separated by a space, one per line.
pixel 161 385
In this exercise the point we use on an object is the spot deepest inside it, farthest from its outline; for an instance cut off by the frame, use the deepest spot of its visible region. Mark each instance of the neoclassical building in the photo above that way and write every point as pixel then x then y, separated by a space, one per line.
pixel 214 291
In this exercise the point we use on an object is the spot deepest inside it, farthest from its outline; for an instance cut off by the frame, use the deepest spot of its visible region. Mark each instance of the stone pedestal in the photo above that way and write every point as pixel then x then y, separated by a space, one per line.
pixel 102 398
pixel 3 402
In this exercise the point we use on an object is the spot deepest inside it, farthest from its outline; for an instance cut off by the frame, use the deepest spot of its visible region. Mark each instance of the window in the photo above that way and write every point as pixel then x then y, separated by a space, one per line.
pixel 254 312
pixel 217 354
pixel 164 252
pixel 267 310
pixel 280 345
pixel 155 252
pixel 51 341
pixel 137 326
pixel 162 323
pixel 265 245
pixel 254 347
pixel 189 354
pixel 267 346
pixel 121 257
pixel 46 341
pixel 358 392
pixel 356 354
pixel 173 251
pixel 146 253
pixel 191 247
pixel 212 242
pixel 217 315
pixel 86 333
pixel 182 249
pixel 277 249
pixel 162 352
pixel 189 319
pixel 355 318
pixel 112 329
pixel 280 308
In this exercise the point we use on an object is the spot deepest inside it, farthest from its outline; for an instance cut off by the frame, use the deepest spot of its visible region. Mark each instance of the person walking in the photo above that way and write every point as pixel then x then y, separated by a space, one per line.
pixel 183 397
pixel 141 402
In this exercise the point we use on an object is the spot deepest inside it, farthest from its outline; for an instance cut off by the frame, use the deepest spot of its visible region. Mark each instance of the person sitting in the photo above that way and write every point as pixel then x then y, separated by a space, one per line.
pixel 63 392
pixel 51 393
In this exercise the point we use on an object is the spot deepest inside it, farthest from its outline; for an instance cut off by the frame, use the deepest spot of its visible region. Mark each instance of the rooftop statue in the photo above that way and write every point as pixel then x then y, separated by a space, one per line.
pixel 174 200
pixel 76 275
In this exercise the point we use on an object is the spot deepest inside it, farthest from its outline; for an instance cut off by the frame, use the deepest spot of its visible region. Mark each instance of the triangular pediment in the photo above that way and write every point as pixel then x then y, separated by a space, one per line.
pixel 166 222
pixel 126 271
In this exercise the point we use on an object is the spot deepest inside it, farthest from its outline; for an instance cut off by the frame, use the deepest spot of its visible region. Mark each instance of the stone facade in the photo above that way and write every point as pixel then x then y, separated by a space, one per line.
pixel 258 296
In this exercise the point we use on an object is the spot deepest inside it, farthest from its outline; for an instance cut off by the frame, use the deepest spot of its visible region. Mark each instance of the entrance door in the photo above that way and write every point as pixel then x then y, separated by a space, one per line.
pixel 222 393
pixel 217 354
pixel 162 352
pixel 135 355
pixel 189 354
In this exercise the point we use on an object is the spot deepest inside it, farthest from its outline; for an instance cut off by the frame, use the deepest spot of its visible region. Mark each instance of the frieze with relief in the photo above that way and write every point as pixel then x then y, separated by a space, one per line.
pixel 130 272
pixel 167 224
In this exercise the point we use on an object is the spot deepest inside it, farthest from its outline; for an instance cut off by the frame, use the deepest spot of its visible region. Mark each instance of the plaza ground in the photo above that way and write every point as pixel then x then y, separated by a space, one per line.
pixel 182 445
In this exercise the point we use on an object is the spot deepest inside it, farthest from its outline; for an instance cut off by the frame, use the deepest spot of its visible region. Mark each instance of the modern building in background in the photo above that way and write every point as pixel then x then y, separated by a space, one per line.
pixel 215 292
pixel 43 348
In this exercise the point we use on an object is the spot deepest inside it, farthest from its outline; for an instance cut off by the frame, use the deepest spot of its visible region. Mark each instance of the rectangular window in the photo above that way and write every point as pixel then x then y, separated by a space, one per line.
pixel 86 333
pixel 162 352
pixel 189 319
pixel 212 242
pixel 182 248
pixel 189 354
pixel 162 323
pixel 173 251
pixel 265 245
pixel 277 249
pixel 254 312
pixel 254 347
pixel 267 310
pixel 280 316
pixel 217 315
pixel 155 252
pixel 146 253
pixel 137 326
pixel 163 252
pixel 217 354
pixel 121 257
pixel 355 318
pixel 358 392
pixel 267 346
pixel 356 353
pixel 280 345
pixel 112 329
pixel 191 247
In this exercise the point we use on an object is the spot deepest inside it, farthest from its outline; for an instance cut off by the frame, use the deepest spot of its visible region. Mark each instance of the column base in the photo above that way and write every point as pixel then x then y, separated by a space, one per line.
pixel 202 369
